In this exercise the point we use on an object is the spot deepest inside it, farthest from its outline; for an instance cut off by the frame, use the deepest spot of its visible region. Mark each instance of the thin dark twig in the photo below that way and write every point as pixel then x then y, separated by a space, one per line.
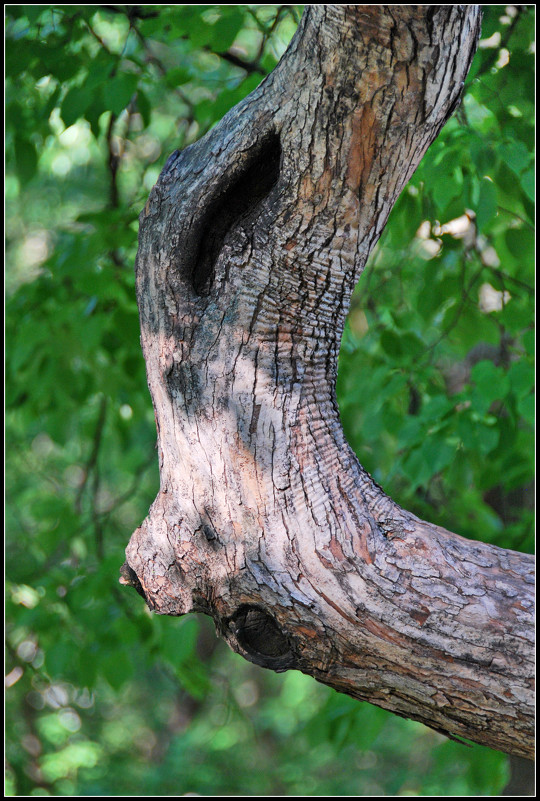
pixel 249 66
pixel 505 277
pixel 113 162
pixel 92 460
pixel 96 36
pixel 132 12
pixel 101 517
pixel 490 62
pixel 464 298
pixel 268 33
pixel 517 217
pixel 153 59
pixel 96 520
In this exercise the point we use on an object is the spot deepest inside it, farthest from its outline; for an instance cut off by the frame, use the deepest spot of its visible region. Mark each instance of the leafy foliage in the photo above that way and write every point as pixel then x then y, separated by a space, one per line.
pixel 102 698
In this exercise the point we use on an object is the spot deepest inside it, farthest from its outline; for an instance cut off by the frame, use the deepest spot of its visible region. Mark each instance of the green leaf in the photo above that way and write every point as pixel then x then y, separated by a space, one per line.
pixel 226 28
pixel 515 155
pixel 102 68
pixel 487 438
pixel 117 668
pixel 491 383
pixel 412 432
pixel 60 657
pixel 33 13
pixel 193 678
pixel 521 377
pixel 436 408
pixel 26 159
pixel 529 342
pixel 391 344
pixel 416 468
pixel 521 244
pixel 178 76
pixel 516 315
pixel 528 183
pixel 526 407
pixel 483 155
pixel 178 640
pixel 487 204
pixel 201 34
pixel 445 189
pixel 437 453
pixel 119 90
pixel 18 57
pixel 75 103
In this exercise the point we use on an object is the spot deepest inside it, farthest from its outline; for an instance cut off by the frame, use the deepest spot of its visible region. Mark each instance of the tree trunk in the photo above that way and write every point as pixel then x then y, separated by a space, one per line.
pixel 250 246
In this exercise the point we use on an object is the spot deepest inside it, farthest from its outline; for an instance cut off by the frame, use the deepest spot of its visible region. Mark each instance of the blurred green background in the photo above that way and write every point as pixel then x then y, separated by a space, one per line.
pixel 102 697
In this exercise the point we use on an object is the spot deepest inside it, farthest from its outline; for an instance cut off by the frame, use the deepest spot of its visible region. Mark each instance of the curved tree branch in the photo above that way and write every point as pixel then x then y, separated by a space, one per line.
pixel 250 245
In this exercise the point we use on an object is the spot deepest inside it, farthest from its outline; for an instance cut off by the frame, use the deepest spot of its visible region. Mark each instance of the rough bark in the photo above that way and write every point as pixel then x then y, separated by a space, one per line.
pixel 249 248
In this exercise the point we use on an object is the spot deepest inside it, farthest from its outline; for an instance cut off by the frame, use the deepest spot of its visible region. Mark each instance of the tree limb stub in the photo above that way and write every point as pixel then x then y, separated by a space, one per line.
pixel 249 248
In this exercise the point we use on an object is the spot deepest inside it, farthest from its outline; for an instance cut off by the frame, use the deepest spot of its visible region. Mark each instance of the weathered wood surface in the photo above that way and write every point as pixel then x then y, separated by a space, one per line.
pixel 250 245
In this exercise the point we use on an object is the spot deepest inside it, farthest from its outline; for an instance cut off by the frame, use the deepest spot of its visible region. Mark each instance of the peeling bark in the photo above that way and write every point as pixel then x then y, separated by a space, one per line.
pixel 249 248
